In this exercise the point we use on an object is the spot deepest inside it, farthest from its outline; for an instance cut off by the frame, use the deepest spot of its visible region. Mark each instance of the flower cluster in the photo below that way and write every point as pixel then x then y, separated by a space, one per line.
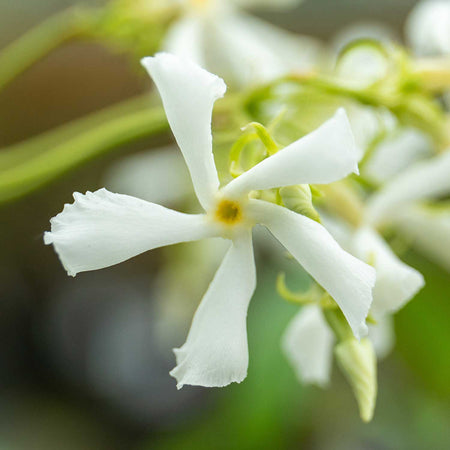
pixel 339 155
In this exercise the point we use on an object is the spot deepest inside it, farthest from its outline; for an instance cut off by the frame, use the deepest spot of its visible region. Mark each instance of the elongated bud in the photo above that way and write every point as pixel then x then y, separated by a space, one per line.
pixel 357 361
pixel 299 199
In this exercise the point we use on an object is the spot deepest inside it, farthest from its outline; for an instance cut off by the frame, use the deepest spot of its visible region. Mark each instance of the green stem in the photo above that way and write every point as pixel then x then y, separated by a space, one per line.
pixel 37 43
pixel 415 109
pixel 46 166
pixel 338 323
pixel 23 151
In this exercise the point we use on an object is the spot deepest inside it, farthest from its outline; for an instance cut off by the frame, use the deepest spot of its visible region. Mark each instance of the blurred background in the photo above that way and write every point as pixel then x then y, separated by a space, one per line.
pixel 84 362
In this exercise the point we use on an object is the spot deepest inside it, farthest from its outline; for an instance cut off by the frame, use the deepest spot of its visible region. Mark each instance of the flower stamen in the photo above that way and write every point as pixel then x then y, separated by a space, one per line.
pixel 228 212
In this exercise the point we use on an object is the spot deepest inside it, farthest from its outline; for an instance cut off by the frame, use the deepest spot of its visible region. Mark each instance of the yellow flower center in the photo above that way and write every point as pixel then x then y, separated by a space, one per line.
pixel 228 212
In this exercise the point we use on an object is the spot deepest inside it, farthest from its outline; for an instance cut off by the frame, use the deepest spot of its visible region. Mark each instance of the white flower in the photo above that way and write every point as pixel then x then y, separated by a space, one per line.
pixel 400 149
pixel 101 228
pixel 428 28
pixel 399 204
pixel 218 35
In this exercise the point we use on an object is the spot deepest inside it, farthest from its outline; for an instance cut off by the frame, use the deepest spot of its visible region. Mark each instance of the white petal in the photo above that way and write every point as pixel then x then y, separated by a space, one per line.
pixel 216 353
pixel 185 39
pixel 246 50
pixel 325 155
pixel 293 52
pixel 347 279
pixel 396 282
pixel 428 28
pixel 382 335
pixel 101 229
pixel 158 176
pixel 308 345
pixel 188 93
pixel 428 231
pixel 424 180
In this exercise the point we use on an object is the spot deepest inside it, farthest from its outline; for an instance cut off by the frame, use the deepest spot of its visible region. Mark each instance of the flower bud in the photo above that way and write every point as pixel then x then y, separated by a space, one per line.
pixel 299 199
pixel 357 361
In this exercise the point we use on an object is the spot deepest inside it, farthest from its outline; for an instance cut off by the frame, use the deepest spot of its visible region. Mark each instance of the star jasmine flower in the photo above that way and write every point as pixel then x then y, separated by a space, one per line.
pixel 102 228
pixel 220 36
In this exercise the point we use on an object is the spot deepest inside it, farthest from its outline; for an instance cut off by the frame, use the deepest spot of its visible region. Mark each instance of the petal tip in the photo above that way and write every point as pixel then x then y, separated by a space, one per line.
pixel 146 61
pixel 48 238
pixel 362 331
pixel 342 116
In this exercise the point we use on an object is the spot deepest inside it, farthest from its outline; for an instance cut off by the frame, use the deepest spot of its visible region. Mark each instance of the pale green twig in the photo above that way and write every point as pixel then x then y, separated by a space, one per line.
pixel 37 43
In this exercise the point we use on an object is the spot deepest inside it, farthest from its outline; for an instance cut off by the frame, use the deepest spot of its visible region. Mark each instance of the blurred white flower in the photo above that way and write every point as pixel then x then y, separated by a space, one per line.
pixel 143 174
pixel 308 345
pixel 220 36
pixel 427 28
pixel 428 230
pixel 400 204
pixel 101 229
pixel 401 148
pixel 425 180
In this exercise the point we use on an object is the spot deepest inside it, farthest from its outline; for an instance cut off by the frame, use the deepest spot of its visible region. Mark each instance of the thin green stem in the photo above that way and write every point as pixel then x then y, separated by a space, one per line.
pixel 46 166
pixel 338 323
pixel 417 109
pixel 19 153
pixel 37 43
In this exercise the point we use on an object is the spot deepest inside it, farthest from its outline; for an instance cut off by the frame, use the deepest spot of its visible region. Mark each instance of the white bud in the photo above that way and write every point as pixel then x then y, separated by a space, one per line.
pixel 358 362
pixel 299 199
